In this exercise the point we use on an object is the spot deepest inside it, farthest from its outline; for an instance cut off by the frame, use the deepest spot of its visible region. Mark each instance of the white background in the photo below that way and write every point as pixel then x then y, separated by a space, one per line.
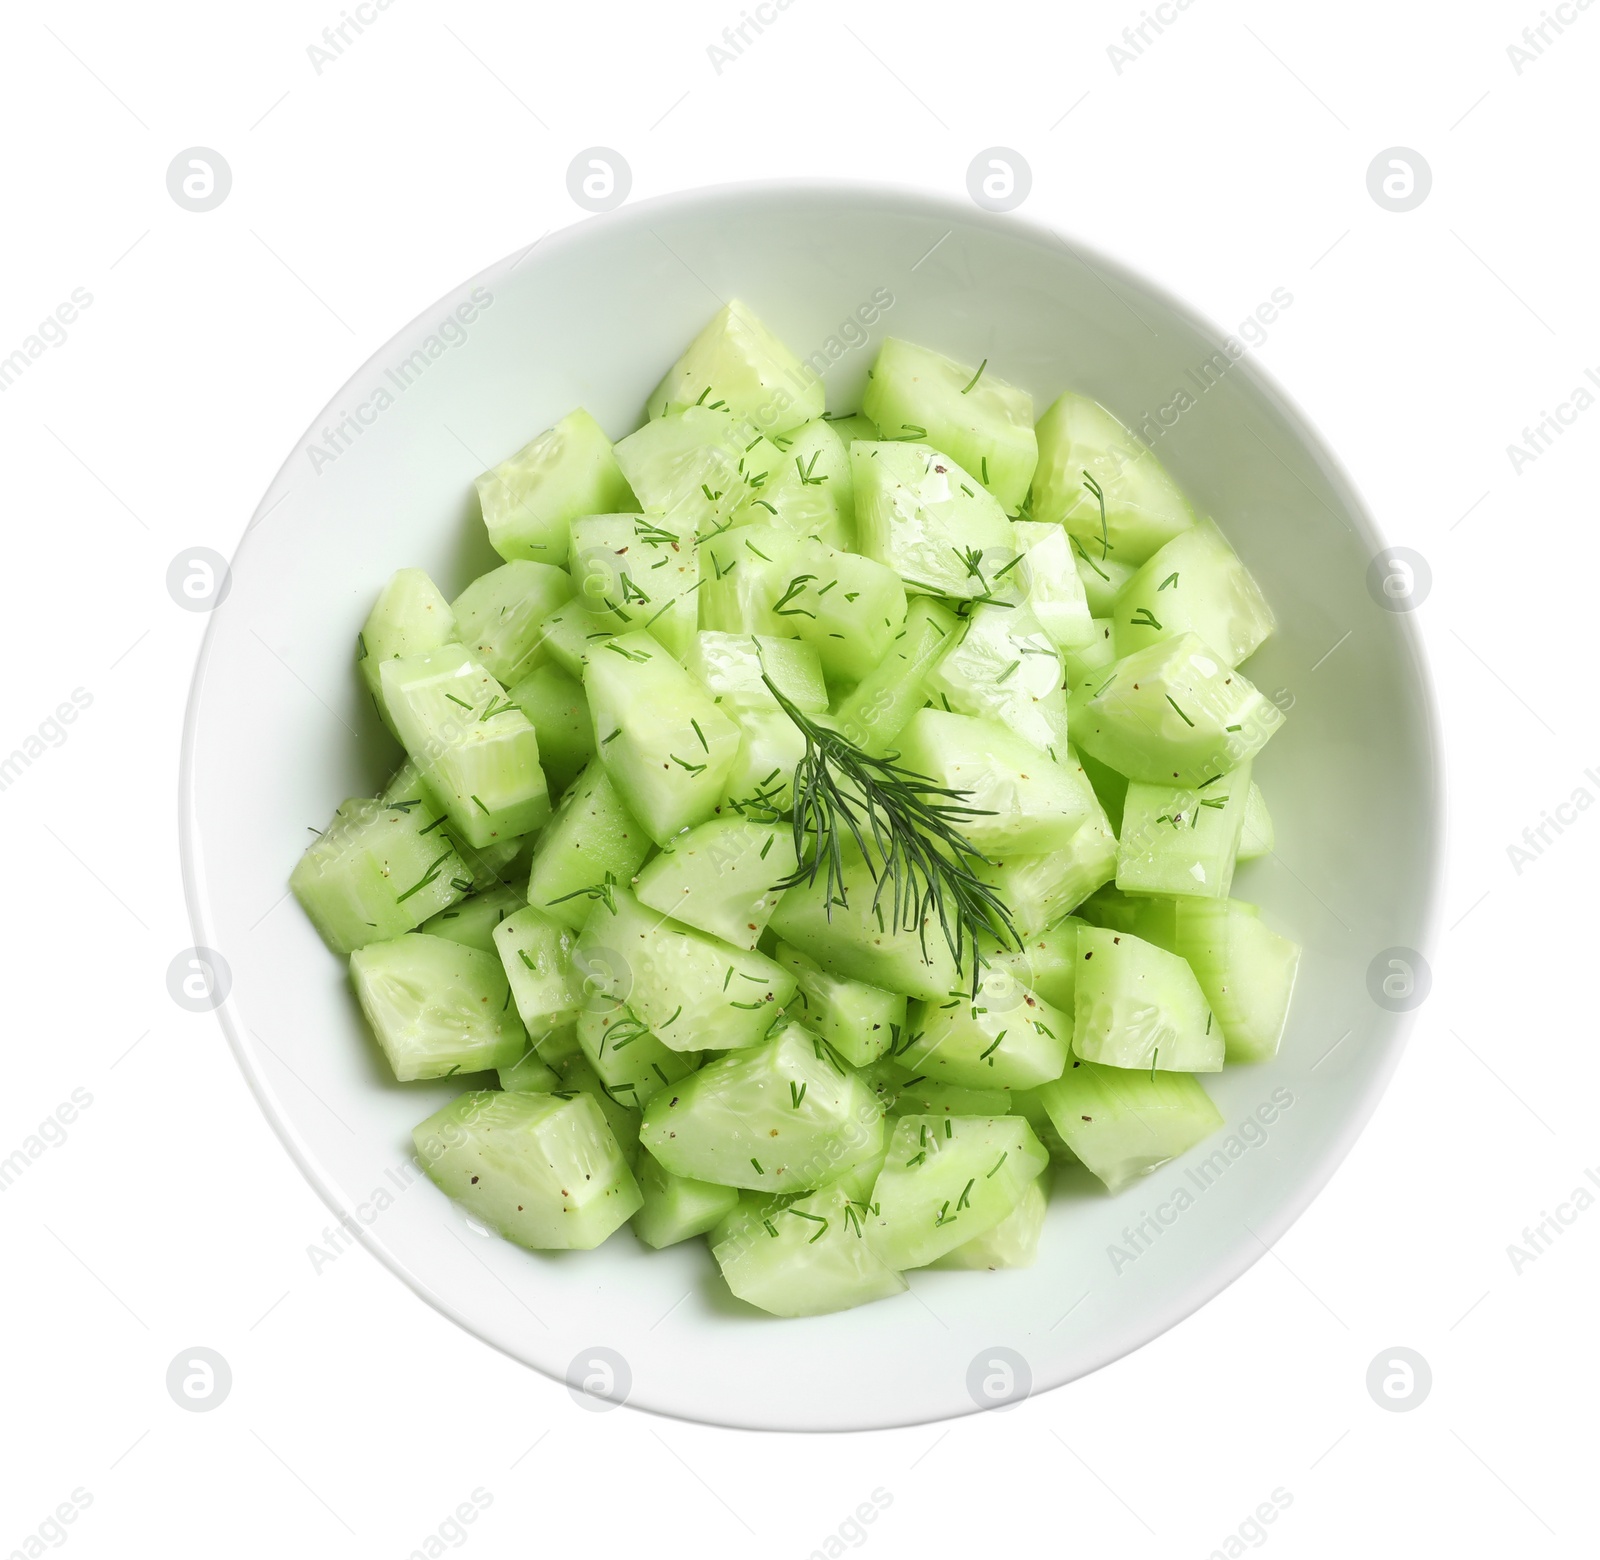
pixel 1228 159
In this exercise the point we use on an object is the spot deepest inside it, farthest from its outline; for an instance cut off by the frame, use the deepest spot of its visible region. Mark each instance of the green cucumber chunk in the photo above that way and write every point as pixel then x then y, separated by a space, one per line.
pixel 853 426
pixel 721 878
pixel 1040 890
pixel 536 950
pixel 500 614
pixel 1102 578
pixel 849 609
pixel 1004 667
pixel 808 1257
pixel 853 941
pixel 487 868
pixel 437 1007
pixel 1246 970
pixel 571 635
pixel 1047 580
pixel 558 711
pixel 1003 1036
pixel 1256 837
pixel 1079 661
pixel 1124 1124
pixel 895 687
pixel 591 838
pixel 946 1180
pixel 911 1093
pixel 782 1116
pixel 409 616
pixel 744 572
pixel 543 1171
pixel 692 469
pixel 859 1021
pixel 1012 1243
pixel 1183 840
pixel 919 513
pixel 530 499
pixel 737 364
pixel 629 1060
pixel 662 739
pixel 761 783
pixel 676 1208
pixel 475 748
pixel 1172 712
pixel 1046 964
pixel 1139 1006
pixel 969 413
pixel 531 1073
pixel 1024 802
pixel 1029 1104
pixel 732 666
pixel 472 921
pixel 1144 509
pixel 633 572
pixel 692 991
pixel 373 874
pixel 1195 584
pixel 808 490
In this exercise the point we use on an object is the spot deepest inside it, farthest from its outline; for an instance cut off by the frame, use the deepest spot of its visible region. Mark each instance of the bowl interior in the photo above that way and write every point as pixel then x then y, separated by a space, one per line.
pixel 280 731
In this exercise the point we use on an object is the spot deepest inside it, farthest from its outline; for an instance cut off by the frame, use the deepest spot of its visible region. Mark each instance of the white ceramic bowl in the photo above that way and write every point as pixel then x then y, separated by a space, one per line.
pixel 279 732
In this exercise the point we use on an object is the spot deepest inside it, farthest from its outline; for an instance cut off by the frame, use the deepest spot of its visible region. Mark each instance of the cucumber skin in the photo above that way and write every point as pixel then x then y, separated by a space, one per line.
pixel 545 1172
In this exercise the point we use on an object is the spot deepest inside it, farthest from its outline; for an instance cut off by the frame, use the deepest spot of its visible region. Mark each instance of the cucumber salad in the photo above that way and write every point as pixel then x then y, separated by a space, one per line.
pixel 816 826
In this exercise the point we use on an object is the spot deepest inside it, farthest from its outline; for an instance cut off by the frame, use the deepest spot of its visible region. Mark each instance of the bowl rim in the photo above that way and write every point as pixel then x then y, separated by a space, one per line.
pixel 706 200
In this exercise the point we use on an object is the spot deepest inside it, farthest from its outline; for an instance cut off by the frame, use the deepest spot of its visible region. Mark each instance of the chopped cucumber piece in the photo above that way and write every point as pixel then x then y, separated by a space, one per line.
pixel 529 500
pixel 1172 712
pixel 1002 1037
pixel 738 364
pixel 631 571
pixel 1139 1006
pixel 1040 890
pixel 1246 970
pixel 500 614
pixel 676 1208
pixel 530 1074
pixel 1182 840
pixel 760 784
pixel 474 919
pixel 486 868
pixel 916 1094
pixel 373 874
pixel 437 1007
pixel 475 748
pixel 1143 508
pixel 854 426
pixel 558 711
pixel 920 514
pixel 692 991
pixel 732 666
pixel 543 1171
pixel 628 1059
pixel 621 1115
pixel 784 1116
pixel 1029 1104
pixel 721 878
pixel 536 950
pixel 571 635
pixel 1024 802
pixel 895 686
pixel 1047 963
pixel 1101 576
pixel 1124 1124
pixel 1197 585
pixel 690 469
pixel 859 1021
pixel 743 572
pixel 847 608
pixel 946 1180
pixel 808 491
pixel 665 744
pixel 1256 837
pixel 409 616
pixel 592 838
pixel 803 1258
pixel 970 413
pixel 1012 1243
pixel 854 941
pixel 1047 580
pixel 1004 667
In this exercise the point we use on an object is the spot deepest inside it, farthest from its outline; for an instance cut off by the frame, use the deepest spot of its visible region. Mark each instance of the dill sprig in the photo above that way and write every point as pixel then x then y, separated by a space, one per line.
pixel 906 828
